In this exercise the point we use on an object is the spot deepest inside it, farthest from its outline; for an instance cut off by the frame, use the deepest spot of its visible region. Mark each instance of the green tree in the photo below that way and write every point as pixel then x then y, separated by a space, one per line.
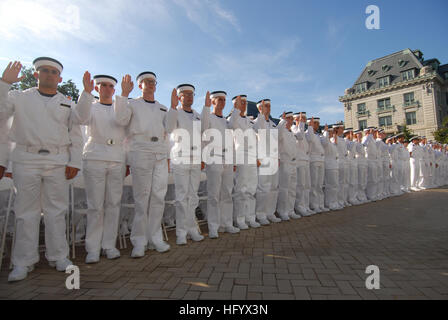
pixel 67 88
pixel 441 135
pixel 408 134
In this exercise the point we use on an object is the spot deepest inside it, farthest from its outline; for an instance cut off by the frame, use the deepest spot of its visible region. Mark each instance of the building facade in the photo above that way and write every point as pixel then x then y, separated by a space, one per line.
pixel 396 90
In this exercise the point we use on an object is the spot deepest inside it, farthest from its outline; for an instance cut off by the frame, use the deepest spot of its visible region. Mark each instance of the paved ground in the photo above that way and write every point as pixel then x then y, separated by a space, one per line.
pixel 320 257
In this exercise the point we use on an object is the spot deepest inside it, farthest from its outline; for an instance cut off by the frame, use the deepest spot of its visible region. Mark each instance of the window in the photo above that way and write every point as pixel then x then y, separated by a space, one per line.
pixel 361 87
pixel 385 121
pixel 384 81
pixel 362 124
pixel 384 104
pixel 411 118
pixel 408 75
pixel 361 108
pixel 408 98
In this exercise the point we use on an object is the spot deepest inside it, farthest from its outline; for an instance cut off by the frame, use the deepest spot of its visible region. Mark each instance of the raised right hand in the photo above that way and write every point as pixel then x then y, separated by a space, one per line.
pixel 127 85
pixel 174 99
pixel 11 73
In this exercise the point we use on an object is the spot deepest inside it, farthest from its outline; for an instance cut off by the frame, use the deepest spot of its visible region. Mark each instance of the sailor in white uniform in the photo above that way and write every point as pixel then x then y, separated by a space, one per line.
pixel 331 169
pixel 103 170
pixel 47 154
pixel 384 158
pixel 343 165
pixel 246 161
pixel 362 167
pixel 187 165
pixel 302 204
pixel 148 124
pixel 424 165
pixel 317 165
pixel 218 147
pixel 406 168
pixel 371 153
pixel 353 180
pixel 415 154
pixel 267 188
pixel 288 151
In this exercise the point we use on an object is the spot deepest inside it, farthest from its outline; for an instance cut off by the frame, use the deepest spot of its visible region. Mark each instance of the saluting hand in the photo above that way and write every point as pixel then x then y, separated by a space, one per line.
pixel 208 101
pixel 11 73
pixel 127 85
pixel 174 99
pixel 238 103
pixel 87 82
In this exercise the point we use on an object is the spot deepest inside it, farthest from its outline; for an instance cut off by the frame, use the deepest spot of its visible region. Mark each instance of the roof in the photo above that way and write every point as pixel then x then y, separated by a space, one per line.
pixel 391 65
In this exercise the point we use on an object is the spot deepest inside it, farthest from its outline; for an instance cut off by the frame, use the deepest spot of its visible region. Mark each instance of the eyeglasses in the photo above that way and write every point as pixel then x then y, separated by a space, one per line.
pixel 150 82
pixel 46 70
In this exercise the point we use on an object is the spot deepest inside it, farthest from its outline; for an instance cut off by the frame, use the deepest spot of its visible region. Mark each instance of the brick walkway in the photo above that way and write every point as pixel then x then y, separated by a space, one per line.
pixel 320 257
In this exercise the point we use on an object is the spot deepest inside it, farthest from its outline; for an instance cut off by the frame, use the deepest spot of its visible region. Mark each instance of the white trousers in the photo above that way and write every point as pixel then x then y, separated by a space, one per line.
pixel 187 178
pixel 423 179
pixel 343 182
pixel 353 184
pixel 266 195
pixel 415 172
pixel 372 180
pixel 386 177
pixel 317 171
pixel 380 177
pixel 149 185
pixel 331 188
pixel 303 188
pixel 287 188
pixel 219 196
pixel 395 184
pixel 362 177
pixel 103 182
pixel 244 193
pixel 40 189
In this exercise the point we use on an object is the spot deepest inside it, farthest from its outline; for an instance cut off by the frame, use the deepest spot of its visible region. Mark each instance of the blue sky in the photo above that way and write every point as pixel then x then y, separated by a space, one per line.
pixel 300 54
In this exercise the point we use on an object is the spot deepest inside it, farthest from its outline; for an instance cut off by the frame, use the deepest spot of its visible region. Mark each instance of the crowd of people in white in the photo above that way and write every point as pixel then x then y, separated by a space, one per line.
pixel 257 172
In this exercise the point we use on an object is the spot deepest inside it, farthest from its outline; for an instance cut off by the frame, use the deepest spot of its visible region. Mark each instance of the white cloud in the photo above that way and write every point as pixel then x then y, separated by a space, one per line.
pixel 208 16
pixel 83 20
pixel 331 110
pixel 260 68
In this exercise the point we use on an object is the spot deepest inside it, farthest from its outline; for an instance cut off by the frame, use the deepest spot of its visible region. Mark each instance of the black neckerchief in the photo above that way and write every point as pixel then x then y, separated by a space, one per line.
pixel 218 116
pixel 46 94
pixel 149 101
pixel 106 104
pixel 188 111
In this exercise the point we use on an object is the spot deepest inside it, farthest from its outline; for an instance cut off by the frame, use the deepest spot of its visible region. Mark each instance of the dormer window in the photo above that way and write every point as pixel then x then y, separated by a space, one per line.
pixel 371 72
pixel 402 63
pixel 408 75
pixel 385 68
pixel 384 81
pixel 361 87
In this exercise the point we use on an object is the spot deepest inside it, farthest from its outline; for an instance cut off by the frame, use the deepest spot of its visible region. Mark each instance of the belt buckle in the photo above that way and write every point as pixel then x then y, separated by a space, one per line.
pixel 110 142
pixel 43 152
pixel 154 139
